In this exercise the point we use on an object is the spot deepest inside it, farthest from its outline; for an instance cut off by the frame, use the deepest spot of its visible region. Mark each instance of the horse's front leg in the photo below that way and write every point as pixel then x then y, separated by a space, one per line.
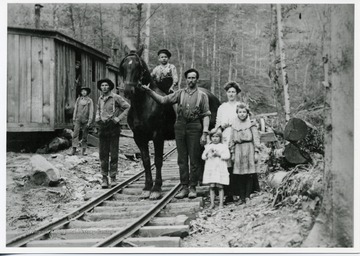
pixel 159 150
pixel 143 145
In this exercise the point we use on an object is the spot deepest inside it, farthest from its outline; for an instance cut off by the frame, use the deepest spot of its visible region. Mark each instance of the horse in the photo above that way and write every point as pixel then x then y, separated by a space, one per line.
pixel 149 120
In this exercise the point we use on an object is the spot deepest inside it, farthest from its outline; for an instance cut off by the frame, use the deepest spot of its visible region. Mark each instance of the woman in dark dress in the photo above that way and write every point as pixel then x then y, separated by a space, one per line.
pixel 225 114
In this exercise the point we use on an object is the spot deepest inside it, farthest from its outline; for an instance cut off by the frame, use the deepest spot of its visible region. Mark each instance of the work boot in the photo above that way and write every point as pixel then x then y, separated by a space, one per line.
pixel 105 182
pixel 228 200
pixel 192 193
pixel 183 192
pixel 113 181
pixel 84 152
pixel 73 151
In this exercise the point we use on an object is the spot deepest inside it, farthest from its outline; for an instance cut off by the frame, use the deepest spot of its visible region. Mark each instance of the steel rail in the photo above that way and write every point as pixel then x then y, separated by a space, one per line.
pixel 22 240
pixel 115 239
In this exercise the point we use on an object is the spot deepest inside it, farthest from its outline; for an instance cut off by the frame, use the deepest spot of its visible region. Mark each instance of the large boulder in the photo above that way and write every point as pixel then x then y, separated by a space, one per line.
pixel 43 172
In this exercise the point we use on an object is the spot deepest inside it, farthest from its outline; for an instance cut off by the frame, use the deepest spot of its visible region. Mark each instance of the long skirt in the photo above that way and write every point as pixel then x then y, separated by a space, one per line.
pixel 233 189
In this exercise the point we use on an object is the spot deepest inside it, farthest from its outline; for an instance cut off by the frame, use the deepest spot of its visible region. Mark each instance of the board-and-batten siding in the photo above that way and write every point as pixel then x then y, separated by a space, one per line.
pixel 65 84
pixel 41 87
pixel 87 79
pixel 30 81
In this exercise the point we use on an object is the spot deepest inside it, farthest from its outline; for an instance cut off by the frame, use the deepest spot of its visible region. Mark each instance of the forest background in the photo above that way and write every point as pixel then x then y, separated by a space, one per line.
pixel 223 41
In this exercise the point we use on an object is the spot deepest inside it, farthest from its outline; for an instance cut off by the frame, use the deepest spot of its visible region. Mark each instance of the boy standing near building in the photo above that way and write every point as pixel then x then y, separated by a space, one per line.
pixel 82 118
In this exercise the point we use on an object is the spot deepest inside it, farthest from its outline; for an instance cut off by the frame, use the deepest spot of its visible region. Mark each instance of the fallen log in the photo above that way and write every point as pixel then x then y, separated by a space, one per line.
pixel 43 172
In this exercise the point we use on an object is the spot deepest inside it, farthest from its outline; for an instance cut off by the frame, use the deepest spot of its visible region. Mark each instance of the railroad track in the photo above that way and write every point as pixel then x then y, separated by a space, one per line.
pixel 117 217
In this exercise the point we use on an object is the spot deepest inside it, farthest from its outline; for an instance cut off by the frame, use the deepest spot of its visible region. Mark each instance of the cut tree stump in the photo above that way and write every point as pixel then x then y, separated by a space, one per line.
pixel 294 155
pixel 295 130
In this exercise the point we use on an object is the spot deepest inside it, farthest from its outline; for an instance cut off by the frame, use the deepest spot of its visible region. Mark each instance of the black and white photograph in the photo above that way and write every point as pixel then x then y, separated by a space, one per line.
pixel 179 126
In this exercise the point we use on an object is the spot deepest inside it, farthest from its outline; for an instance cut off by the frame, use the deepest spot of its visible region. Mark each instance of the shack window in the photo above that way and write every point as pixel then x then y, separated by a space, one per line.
pixel 93 68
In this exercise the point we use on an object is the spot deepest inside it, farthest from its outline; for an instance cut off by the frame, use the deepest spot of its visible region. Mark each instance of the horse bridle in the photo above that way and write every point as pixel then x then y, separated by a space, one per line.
pixel 141 67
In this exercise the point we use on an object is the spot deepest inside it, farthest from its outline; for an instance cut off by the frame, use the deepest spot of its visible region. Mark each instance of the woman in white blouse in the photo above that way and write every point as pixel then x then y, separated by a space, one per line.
pixel 225 114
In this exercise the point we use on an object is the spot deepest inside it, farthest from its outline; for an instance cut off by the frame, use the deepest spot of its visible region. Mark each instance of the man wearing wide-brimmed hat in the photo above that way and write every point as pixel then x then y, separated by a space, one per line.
pixel 82 118
pixel 110 110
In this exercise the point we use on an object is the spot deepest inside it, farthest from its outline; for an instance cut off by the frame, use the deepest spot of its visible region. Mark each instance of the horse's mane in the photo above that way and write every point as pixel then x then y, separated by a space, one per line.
pixel 147 76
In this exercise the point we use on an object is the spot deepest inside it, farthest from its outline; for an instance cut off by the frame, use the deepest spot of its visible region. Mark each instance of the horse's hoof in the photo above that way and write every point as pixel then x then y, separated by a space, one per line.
pixel 155 195
pixel 145 194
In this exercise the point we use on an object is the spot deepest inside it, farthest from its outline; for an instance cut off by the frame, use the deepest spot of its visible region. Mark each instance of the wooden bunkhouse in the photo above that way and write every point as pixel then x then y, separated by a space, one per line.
pixel 41 78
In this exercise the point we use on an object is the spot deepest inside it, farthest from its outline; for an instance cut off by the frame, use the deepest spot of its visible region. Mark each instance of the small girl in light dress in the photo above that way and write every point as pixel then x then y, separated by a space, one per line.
pixel 216 173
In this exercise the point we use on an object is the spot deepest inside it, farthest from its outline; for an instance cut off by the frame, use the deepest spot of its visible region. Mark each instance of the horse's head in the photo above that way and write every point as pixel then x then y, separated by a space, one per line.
pixel 134 72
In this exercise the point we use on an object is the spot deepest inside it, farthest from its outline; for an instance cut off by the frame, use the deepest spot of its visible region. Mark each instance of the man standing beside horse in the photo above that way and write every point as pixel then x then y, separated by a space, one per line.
pixel 191 129
pixel 111 109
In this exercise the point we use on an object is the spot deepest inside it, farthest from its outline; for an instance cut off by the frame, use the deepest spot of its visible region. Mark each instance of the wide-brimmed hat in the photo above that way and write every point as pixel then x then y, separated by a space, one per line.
pixel 87 89
pixel 167 52
pixel 108 81
pixel 192 70
pixel 232 84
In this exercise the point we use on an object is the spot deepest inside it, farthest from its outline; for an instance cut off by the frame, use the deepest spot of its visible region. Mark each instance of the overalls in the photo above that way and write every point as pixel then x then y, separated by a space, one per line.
pixel 188 131
pixel 82 116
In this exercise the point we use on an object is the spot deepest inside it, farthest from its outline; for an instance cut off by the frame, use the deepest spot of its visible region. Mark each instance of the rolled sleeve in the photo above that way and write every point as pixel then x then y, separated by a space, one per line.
pixel 123 106
pixel 204 106
pixel 172 98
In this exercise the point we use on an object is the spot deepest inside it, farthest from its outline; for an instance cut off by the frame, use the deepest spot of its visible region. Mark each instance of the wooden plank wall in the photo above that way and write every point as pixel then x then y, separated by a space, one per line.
pixel 29 83
pixel 100 72
pixel 65 85
pixel 65 81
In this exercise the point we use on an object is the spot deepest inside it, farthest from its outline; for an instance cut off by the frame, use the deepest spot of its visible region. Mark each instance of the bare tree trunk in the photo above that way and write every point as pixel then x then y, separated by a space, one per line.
pixel 207 54
pixel 147 33
pixel 305 76
pixel 194 45
pixel 273 73
pixel 219 76
pixel 202 50
pixel 71 16
pixel 180 65
pixel 232 43
pixel 101 28
pixel 139 7
pixel 121 30
pixel 283 64
pixel 81 22
pixel 236 64
pixel 230 69
pixel 256 56
pixel 242 57
pixel 164 31
pixel 214 56
pixel 55 16
pixel 334 227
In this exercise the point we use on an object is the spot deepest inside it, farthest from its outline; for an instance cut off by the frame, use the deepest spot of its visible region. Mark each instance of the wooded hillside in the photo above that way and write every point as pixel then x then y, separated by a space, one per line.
pixel 223 41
